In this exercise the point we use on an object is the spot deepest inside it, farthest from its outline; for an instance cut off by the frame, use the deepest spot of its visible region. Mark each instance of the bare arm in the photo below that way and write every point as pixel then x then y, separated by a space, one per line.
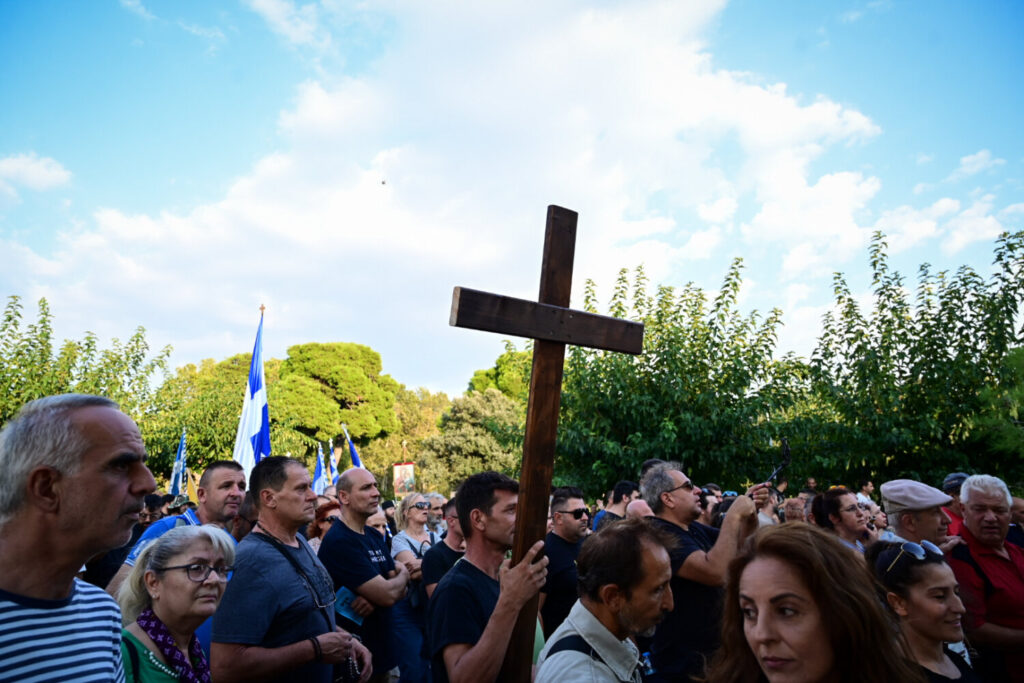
pixel 709 568
pixel 997 637
pixel 429 587
pixel 411 563
pixel 233 662
pixel 482 662
pixel 386 592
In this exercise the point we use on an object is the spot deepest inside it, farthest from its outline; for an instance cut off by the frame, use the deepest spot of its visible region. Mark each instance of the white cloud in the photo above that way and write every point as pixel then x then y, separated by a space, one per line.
pixel 923 159
pixel 299 25
pixel 906 226
pixel 136 7
pixel 974 224
pixel 210 33
pixel 32 172
pixel 972 164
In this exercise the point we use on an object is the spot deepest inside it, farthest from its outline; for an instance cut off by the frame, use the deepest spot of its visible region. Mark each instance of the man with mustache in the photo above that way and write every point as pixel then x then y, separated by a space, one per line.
pixel 73 477
pixel 991 576
pixel 562 546
pixel 624 586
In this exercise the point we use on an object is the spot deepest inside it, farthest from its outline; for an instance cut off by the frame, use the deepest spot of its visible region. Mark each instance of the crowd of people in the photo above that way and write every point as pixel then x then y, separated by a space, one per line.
pixel 262 579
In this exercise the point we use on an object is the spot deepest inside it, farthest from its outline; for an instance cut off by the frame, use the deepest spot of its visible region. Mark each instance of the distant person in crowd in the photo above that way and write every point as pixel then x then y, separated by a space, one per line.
pixel 915 512
pixel 475 606
pixel 793 510
pixel 435 515
pixel 1017 511
pixel 408 618
pixel 809 510
pixel 624 588
pixel 331 491
pixel 699 561
pixel 73 477
pixel 767 515
pixel 389 511
pixel 174 586
pixel 991 576
pixel 638 508
pixel 221 490
pixel 951 486
pixel 622 494
pixel 244 522
pixel 709 498
pixel 101 568
pixel 379 521
pixel 922 592
pixel 358 561
pixel 562 547
pixel 442 556
pixel 865 487
pixel 168 498
pixel 798 610
pixel 326 515
pixel 877 519
pixel 838 511
pixel 811 484
pixel 276 621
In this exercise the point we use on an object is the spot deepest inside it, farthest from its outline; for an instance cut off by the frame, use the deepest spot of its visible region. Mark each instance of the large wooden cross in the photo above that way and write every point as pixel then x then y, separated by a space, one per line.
pixel 552 324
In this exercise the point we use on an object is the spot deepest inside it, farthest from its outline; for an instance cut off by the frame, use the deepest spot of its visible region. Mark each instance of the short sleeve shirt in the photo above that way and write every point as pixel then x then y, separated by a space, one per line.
pixel 560 585
pixel 437 561
pixel 266 604
pixel 689 632
pixel 353 559
pixel 459 610
pixel 158 529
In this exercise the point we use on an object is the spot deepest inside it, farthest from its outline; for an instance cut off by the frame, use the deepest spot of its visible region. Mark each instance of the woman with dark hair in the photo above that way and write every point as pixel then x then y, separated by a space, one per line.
pixel 838 511
pixel 923 593
pixel 797 610
pixel 326 513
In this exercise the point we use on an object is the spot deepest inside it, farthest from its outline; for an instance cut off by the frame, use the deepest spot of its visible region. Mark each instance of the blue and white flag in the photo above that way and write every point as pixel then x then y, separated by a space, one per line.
pixel 356 462
pixel 332 471
pixel 178 473
pixel 252 443
pixel 320 476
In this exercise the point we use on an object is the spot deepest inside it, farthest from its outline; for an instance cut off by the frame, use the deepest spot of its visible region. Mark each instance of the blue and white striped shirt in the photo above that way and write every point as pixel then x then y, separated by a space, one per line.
pixel 75 639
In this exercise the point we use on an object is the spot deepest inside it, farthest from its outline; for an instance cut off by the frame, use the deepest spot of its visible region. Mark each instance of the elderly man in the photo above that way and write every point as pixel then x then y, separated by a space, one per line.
pixel 73 478
pixel 562 545
pixel 699 564
pixel 473 610
pixel 991 576
pixel 915 513
pixel 435 513
pixel 624 575
pixel 276 621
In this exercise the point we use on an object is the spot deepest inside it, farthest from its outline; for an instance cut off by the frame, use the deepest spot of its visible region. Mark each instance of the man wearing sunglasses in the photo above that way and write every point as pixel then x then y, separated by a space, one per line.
pixel 699 564
pixel 562 544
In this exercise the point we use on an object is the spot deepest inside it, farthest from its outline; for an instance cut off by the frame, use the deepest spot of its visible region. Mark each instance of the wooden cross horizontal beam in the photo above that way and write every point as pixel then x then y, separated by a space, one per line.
pixel 522 318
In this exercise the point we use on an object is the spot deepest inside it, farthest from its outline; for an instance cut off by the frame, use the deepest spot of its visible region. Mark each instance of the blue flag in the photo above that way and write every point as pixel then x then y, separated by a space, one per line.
pixel 178 473
pixel 332 474
pixel 320 476
pixel 252 442
pixel 356 462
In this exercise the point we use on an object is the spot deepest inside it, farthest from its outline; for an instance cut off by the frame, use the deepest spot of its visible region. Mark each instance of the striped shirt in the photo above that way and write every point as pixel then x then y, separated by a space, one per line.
pixel 75 639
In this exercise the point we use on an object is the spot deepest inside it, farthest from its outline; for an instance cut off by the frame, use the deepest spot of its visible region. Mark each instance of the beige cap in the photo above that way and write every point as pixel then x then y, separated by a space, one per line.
pixel 907 494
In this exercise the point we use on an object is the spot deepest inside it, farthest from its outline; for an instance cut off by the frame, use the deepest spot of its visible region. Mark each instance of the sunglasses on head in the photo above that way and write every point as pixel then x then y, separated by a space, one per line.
pixel 729 494
pixel 421 506
pixel 576 514
pixel 916 550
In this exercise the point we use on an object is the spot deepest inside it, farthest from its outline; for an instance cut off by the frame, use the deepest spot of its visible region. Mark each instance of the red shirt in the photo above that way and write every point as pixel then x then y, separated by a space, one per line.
pixel 1004 605
pixel 956 522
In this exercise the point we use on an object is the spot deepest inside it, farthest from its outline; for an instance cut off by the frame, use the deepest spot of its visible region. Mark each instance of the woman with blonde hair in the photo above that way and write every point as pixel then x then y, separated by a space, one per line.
pixel 798 608
pixel 176 584
pixel 408 616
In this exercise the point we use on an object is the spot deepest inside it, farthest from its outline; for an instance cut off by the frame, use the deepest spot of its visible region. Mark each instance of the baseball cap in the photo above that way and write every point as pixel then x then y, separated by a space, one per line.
pixel 953 481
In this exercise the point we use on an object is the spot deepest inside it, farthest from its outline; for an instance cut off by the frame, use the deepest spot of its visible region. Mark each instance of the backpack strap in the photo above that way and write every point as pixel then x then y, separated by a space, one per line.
pixel 133 655
pixel 575 643
pixel 963 553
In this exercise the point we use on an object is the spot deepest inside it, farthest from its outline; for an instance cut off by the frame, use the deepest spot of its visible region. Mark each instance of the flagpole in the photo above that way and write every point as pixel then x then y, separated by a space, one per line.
pixel 252 442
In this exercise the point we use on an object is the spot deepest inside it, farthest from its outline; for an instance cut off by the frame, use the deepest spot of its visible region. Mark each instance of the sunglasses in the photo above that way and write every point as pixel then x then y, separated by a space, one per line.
pixel 421 506
pixel 688 486
pixel 915 550
pixel 576 514
pixel 729 494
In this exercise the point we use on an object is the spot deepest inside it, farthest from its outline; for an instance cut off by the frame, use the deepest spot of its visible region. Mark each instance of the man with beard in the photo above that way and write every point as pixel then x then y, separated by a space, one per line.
pixel 624 574
pixel 73 477
pixel 562 546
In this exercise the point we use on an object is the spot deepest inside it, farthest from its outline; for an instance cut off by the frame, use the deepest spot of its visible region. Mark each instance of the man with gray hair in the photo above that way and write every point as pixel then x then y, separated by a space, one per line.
pixel 915 513
pixel 73 477
pixel 991 576
pixel 435 514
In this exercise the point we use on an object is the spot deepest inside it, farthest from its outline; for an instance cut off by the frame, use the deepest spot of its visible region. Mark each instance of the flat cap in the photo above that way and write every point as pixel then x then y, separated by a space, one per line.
pixel 951 484
pixel 907 494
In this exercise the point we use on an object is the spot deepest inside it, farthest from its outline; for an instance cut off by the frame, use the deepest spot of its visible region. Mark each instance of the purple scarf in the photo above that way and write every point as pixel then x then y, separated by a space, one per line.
pixel 194 671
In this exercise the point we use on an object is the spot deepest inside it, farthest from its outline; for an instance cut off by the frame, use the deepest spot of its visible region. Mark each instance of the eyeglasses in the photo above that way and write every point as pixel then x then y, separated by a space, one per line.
pixel 915 550
pixel 688 486
pixel 421 506
pixel 851 508
pixel 576 514
pixel 201 572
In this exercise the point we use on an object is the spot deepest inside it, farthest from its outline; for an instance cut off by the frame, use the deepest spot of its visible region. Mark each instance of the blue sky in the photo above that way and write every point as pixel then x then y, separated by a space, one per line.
pixel 175 164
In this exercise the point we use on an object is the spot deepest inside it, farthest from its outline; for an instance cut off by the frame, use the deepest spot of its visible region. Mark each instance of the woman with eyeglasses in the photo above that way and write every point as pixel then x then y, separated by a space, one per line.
pixel 408 617
pixel 798 610
pixel 176 584
pixel 838 512
pixel 921 590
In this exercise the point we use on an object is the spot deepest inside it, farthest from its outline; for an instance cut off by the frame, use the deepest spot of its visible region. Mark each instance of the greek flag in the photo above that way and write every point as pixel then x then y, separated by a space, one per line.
pixel 320 476
pixel 356 462
pixel 332 474
pixel 252 442
pixel 178 473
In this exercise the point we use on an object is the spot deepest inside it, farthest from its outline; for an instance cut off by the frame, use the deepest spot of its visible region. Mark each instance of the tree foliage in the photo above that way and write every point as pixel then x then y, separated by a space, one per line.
pixel 510 374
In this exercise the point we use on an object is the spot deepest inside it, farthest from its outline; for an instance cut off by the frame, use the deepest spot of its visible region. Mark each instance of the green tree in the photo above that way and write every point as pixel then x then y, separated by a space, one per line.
pixel 510 374
pixel 30 369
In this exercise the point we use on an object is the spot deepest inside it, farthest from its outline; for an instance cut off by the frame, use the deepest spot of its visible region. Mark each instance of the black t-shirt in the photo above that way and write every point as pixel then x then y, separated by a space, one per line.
pixel 690 631
pixel 459 610
pixel 353 559
pixel 967 674
pixel 560 586
pixel 606 519
pixel 437 561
